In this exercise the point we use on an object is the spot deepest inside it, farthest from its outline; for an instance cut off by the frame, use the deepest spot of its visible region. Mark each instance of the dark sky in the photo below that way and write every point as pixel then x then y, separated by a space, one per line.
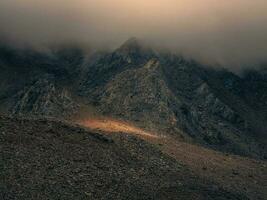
pixel 228 32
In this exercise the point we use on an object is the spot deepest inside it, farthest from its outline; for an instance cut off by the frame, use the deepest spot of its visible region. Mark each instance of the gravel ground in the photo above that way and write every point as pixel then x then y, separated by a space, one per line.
pixel 42 159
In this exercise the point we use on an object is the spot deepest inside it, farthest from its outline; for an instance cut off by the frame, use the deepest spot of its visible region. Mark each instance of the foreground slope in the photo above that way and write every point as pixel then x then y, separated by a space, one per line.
pixel 234 173
pixel 43 159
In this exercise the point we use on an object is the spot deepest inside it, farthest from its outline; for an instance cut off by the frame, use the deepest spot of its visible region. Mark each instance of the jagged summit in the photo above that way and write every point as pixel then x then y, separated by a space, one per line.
pixel 135 51
pixel 134 46
pixel 131 43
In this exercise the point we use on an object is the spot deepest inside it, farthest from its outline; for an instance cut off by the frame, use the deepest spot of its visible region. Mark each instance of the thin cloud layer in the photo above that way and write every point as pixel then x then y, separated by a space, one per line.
pixel 229 33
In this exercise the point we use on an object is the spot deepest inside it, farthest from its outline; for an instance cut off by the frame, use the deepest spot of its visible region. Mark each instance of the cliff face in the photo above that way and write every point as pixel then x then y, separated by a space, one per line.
pixel 158 91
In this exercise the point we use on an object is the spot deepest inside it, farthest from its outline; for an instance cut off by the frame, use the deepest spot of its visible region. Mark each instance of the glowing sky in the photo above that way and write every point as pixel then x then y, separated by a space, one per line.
pixel 225 31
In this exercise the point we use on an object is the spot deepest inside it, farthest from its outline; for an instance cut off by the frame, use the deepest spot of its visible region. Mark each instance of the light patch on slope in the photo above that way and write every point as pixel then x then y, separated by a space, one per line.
pixel 115 126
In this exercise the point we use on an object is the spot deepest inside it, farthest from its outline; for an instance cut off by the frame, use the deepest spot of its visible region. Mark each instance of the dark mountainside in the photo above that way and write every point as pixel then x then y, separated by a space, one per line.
pixel 157 91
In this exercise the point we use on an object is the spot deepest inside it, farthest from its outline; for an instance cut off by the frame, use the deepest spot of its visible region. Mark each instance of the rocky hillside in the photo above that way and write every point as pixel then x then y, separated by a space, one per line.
pixel 158 91
pixel 41 159
pixel 37 83
pixel 169 94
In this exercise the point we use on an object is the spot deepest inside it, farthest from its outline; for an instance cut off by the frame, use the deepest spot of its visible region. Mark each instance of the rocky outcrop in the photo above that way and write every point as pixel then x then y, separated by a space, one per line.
pixel 215 106
pixel 140 95
pixel 43 98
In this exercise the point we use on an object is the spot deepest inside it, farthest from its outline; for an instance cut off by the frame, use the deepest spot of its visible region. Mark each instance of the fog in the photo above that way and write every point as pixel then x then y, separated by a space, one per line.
pixel 232 33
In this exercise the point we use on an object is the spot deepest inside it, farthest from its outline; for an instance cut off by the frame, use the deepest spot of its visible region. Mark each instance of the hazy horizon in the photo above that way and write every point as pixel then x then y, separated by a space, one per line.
pixel 229 33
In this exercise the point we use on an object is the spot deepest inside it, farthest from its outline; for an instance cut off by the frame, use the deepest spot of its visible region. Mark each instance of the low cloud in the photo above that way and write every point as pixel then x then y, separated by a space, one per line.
pixel 228 33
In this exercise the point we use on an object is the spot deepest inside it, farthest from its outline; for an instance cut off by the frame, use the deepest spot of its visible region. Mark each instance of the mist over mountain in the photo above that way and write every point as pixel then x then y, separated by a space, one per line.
pixel 131 116
pixel 221 33
pixel 89 112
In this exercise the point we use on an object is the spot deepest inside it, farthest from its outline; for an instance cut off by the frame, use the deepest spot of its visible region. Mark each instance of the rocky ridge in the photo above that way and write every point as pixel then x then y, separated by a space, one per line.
pixel 158 91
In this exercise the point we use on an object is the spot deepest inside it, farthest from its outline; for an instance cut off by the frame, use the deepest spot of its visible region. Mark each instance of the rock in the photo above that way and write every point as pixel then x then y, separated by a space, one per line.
pixel 42 98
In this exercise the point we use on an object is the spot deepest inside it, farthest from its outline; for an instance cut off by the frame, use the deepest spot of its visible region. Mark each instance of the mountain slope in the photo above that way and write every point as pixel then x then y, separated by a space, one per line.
pixel 167 93
pixel 158 91
pixel 37 83
pixel 233 173
pixel 43 159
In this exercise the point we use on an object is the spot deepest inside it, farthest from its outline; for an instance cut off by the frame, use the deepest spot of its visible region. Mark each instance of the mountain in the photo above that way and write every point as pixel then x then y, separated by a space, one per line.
pixel 157 91
pixel 132 123
pixel 168 94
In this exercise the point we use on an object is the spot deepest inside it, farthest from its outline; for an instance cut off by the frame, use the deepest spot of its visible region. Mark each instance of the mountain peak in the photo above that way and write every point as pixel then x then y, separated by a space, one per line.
pixel 133 41
pixel 131 45
pixel 134 50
